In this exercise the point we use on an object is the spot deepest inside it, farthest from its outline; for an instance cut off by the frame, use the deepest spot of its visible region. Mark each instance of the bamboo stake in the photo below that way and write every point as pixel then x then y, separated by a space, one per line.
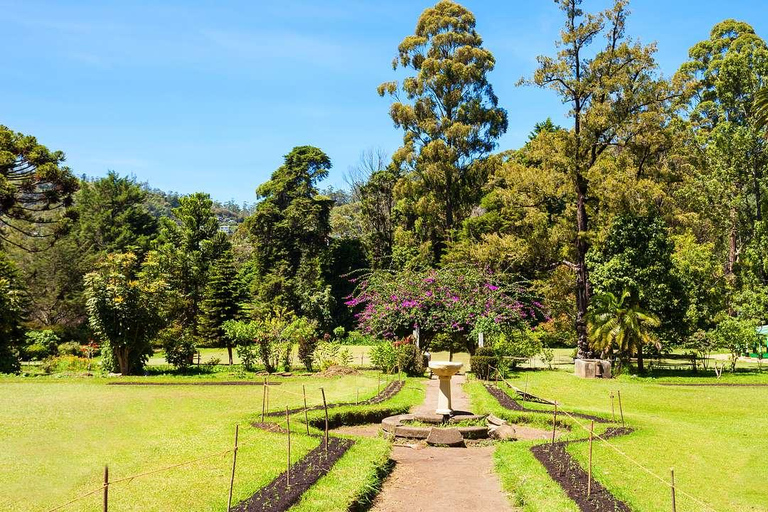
pixel 306 419
pixel 378 385
pixel 621 409
pixel 357 396
pixel 674 507
pixel 325 406
pixel 234 464
pixel 106 488
pixel 266 379
pixel 554 423
pixel 589 481
pixel 288 423
pixel 263 400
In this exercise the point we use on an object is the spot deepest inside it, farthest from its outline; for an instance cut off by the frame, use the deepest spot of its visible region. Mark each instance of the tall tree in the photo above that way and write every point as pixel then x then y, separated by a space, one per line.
pixel 12 302
pixel 33 186
pixel 113 215
pixel 613 94
pixel 125 301
pixel 188 245
pixel 290 230
pixel 450 116
pixel 221 301
pixel 723 78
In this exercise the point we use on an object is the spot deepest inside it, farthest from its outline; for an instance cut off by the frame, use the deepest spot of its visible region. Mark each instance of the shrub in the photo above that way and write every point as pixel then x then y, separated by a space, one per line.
pixel 60 364
pixel 70 348
pixel 248 355
pixel 330 353
pixel 360 339
pixel 303 332
pixel 46 340
pixel 484 361
pixel 339 334
pixel 307 347
pixel 392 357
pixel 36 352
pixel 179 346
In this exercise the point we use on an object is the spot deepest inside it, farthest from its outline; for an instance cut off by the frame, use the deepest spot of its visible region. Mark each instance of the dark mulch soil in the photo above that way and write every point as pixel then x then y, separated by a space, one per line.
pixel 508 402
pixel 203 383
pixel 563 468
pixel 573 478
pixel 388 392
pixel 716 384
pixel 278 496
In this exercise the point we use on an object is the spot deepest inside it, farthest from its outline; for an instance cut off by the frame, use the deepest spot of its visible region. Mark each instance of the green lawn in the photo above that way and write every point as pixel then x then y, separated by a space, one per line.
pixel 716 438
pixel 57 434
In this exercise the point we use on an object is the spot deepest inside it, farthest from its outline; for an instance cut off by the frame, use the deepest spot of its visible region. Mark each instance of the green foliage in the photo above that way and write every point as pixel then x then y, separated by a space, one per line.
pixel 33 183
pixel 398 356
pixel 12 303
pixel 45 339
pixel 187 247
pixel 451 119
pixel 736 335
pixel 178 346
pixel 65 363
pixel 637 257
pixel 289 230
pixel 248 355
pixel 331 353
pixel 70 348
pixel 221 302
pixel 618 324
pixel 483 363
pixel 125 300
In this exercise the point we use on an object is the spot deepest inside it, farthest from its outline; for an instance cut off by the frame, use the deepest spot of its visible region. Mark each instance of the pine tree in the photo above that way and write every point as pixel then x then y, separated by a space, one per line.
pixel 220 301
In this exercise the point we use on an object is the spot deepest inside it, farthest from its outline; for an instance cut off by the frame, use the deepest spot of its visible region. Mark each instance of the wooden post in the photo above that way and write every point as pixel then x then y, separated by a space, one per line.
pixel 674 507
pixel 234 463
pixel 266 386
pixel 306 418
pixel 106 488
pixel 554 423
pixel 613 409
pixel 325 406
pixel 589 476
pixel 621 409
pixel 361 359
pixel 378 385
pixel 288 427
pixel 264 401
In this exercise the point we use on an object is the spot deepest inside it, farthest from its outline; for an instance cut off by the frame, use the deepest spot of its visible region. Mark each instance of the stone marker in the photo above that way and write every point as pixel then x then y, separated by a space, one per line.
pixel 504 433
pixel 445 437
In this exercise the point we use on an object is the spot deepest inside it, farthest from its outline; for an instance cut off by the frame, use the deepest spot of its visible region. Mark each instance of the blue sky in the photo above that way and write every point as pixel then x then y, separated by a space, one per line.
pixel 208 96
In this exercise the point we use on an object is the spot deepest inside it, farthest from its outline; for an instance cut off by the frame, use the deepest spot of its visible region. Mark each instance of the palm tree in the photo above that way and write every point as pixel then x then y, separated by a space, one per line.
pixel 620 323
pixel 761 107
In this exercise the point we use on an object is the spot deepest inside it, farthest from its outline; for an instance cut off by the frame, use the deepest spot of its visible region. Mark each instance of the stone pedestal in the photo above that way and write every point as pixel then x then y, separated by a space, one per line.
pixel 592 368
pixel 444 371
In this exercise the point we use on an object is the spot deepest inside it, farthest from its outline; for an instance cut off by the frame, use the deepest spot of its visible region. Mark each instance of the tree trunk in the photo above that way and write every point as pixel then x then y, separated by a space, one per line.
pixel 640 367
pixel 582 275
pixel 229 353
pixel 123 361
pixel 731 262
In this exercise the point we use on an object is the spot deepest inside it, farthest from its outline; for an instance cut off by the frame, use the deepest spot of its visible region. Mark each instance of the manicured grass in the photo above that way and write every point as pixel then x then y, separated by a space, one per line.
pixel 57 434
pixel 714 437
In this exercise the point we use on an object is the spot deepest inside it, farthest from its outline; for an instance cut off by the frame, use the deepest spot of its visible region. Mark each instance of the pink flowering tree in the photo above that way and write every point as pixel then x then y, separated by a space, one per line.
pixel 450 300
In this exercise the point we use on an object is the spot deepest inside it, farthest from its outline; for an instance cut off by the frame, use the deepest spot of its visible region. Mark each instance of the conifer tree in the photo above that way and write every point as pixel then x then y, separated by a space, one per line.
pixel 220 301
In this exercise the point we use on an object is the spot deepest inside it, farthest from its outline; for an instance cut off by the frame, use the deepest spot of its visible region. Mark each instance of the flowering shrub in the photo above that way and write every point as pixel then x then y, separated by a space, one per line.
pixel 447 300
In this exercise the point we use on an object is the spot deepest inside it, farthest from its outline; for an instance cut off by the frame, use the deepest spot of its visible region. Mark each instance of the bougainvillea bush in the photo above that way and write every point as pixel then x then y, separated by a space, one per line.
pixel 448 300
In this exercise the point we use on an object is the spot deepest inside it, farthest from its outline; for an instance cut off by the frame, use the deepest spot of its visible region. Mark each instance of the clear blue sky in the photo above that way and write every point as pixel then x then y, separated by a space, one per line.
pixel 208 96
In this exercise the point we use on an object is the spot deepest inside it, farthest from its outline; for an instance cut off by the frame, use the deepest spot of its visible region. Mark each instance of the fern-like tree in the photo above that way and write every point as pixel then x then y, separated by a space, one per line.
pixel 221 302
pixel 619 323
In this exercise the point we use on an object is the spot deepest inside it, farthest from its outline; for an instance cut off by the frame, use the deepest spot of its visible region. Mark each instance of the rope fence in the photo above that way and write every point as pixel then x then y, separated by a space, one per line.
pixel 283 424
pixel 675 489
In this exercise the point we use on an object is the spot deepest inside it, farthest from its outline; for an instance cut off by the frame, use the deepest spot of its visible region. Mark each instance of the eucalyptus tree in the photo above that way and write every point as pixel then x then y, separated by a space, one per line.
pixel 451 119
pixel 723 78
pixel 614 95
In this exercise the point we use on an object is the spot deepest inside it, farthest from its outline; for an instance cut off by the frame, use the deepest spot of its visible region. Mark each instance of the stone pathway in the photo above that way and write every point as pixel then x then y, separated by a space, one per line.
pixel 438 479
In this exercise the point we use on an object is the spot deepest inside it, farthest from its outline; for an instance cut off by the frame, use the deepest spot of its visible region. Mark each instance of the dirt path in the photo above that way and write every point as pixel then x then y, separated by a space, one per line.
pixel 438 479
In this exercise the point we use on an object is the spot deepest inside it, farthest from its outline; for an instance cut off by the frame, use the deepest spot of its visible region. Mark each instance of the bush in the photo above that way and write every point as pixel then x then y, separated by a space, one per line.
pixel 46 340
pixel 330 353
pixel 307 347
pixel 65 364
pixel 70 348
pixel 484 361
pixel 35 352
pixel 392 357
pixel 248 355
pixel 179 346
pixel 360 339
pixel 339 334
